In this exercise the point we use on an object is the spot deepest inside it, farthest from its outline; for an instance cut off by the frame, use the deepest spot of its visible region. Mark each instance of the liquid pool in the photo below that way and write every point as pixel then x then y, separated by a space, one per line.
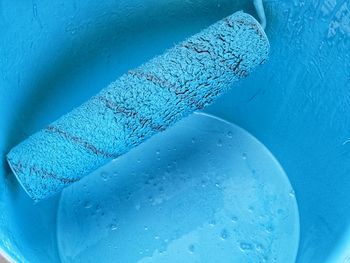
pixel 203 191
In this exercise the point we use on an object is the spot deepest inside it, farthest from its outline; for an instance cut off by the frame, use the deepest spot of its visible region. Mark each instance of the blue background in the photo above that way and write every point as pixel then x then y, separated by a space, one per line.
pixel 56 54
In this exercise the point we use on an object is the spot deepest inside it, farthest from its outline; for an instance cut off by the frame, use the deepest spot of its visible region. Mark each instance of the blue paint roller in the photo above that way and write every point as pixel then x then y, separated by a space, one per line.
pixel 139 104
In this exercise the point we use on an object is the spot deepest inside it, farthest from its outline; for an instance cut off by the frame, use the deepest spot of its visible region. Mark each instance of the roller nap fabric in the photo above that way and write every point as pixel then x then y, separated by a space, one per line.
pixel 139 104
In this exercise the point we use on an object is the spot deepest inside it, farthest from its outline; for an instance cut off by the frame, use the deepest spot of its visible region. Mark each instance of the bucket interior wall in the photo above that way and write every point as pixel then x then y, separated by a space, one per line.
pixel 56 54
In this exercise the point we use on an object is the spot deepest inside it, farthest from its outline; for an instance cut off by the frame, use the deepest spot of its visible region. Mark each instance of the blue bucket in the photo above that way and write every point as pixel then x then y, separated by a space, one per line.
pixel 57 54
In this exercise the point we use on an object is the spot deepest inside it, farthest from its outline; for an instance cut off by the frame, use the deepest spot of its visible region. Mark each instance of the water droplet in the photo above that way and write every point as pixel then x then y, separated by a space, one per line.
pixel 162 249
pixel 229 135
pixel 138 161
pixel 137 207
pixel 113 227
pixel 244 156
pixel 212 222
pixel 87 205
pixel 35 10
pixel 218 185
pixel 104 176
pixel 156 237
pixel 219 143
pixel 251 209
pixel 234 219
pixel 259 247
pixel 191 248
pixel 269 229
pixel 146 228
pixel 224 234
pixel 292 193
pixel 245 246
pixel 157 152
pixel 193 141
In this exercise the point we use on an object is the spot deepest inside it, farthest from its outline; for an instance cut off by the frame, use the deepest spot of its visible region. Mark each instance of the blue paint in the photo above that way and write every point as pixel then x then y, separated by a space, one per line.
pixel 296 104
pixel 203 191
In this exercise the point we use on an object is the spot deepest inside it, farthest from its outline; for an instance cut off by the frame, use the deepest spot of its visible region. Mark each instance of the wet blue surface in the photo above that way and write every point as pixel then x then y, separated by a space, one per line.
pixel 203 191
pixel 56 54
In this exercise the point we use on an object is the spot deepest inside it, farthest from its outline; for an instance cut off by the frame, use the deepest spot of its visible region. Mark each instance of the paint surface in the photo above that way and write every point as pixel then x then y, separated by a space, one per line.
pixel 203 191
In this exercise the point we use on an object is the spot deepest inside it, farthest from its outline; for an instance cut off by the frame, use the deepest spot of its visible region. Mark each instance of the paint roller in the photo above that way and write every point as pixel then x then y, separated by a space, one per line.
pixel 141 103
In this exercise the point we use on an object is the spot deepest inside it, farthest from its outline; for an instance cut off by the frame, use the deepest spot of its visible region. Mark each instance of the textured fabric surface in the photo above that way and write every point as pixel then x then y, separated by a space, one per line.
pixel 139 104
